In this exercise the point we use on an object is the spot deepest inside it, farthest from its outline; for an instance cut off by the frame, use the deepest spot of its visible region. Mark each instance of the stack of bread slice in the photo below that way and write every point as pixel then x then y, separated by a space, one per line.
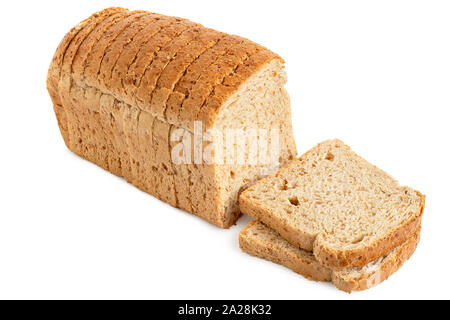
pixel 333 216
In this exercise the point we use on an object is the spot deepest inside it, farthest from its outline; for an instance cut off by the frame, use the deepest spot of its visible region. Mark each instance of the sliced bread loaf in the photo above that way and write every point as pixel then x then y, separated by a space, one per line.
pixel 259 240
pixel 141 94
pixel 334 203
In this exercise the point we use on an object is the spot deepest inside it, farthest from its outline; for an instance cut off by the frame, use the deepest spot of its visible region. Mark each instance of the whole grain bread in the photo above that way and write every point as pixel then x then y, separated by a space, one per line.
pixel 123 82
pixel 334 203
pixel 259 240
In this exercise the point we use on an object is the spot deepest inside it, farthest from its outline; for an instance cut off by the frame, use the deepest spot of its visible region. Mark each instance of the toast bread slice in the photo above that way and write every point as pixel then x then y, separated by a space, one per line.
pixel 336 204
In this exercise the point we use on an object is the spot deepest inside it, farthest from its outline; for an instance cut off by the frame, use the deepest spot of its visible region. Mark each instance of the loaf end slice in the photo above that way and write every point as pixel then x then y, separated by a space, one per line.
pixel 336 204
pixel 261 241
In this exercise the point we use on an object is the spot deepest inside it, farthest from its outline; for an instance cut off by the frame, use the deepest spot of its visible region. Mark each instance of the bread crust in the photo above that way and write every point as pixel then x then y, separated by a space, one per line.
pixel 184 85
pixel 150 79
pixel 174 99
pixel 144 84
pixel 132 49
pixel 175 66
pixel 100 48
pixel 85 48
pixel 389 266
pixel 118 46
pixel 162 32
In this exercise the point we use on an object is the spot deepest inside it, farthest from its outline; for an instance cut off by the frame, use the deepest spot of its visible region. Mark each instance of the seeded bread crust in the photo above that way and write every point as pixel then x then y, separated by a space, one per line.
pixel 122 82
pixel 260 241
pixel 331 257
pixel 222 78
pixel 54 72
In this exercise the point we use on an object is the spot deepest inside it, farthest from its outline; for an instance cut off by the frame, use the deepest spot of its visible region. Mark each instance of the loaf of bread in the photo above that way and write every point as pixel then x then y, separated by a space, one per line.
pixel 260 241
pixel 129 86
pixel 336 204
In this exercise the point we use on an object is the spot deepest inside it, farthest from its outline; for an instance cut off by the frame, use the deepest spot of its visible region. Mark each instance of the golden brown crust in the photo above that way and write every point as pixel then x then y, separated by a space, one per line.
pixel 117 41
pixel 85 48
pixel 196 98
pixel 198 48
pixel 118 46
pixel 57 60
pixel 146 56
pixel 100 48
pixel 232 82
pixel 149 81
pixel 197 43
pixel 131 50
pixel 78 40
pixel 226 62
pixel 153 35
pixel 184 86
pixel 73 50
pixel 388 267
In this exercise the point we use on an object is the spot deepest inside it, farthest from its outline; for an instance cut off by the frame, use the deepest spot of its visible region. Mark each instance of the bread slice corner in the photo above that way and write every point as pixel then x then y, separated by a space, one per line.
pixel 336 204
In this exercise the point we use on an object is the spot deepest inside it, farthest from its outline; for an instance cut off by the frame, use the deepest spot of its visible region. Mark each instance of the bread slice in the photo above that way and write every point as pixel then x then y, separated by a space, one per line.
pixel 259 240
pixel 336 204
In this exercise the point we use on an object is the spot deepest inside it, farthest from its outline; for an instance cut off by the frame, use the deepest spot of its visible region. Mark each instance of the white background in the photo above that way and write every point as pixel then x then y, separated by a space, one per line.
pixel 375 74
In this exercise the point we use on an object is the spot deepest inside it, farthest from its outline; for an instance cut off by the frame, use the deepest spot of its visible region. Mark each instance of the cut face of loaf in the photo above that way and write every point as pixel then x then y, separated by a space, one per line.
pixel 259 240
pixel 130 89
pixel 337 205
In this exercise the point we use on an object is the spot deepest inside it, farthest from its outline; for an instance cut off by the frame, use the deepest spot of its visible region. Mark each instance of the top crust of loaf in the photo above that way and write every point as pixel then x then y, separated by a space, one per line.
pixel 336 204
pixel 55 68
pixel 162 75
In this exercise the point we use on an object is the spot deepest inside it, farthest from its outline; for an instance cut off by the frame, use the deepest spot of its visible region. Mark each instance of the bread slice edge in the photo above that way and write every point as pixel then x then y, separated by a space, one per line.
pixel 349 279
